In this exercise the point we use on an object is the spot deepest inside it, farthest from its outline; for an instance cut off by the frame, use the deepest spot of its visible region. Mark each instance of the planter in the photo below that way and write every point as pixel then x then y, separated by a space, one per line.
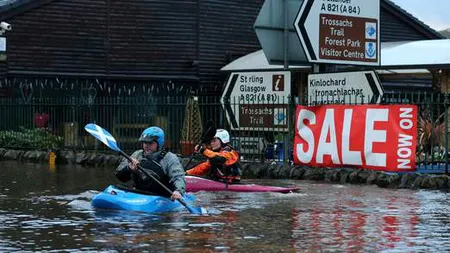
pixel 71 134
pixel 187 147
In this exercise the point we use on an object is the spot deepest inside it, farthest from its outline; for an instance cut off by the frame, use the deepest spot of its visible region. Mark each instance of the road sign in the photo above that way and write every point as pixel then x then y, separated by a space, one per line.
pixel 257 100
pixel 344 88
pixel 269 28
pixel 340 32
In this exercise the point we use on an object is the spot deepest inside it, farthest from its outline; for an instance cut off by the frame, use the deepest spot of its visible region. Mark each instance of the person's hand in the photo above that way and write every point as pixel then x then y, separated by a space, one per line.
pixel 199 149
pixel 175 195
pixel 133 164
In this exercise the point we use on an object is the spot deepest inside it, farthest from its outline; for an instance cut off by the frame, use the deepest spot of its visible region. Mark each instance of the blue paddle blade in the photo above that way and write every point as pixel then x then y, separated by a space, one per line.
pixel 102 135
pixel 202 210
pixel 197 210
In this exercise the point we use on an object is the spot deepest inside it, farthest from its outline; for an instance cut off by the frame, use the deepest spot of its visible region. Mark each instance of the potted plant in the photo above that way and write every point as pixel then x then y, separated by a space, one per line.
pixel 431 138
pixel 191 133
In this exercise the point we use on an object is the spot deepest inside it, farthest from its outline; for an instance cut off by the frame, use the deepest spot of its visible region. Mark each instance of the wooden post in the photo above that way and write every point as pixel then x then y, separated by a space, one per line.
pixel 445 88
pixel 445 81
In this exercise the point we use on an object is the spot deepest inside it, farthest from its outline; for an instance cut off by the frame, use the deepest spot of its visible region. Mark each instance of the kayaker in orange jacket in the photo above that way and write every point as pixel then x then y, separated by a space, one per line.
pixel 223 160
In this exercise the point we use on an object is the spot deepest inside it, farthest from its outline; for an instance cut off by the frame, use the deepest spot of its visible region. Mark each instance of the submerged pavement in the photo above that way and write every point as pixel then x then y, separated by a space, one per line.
pixel 261 170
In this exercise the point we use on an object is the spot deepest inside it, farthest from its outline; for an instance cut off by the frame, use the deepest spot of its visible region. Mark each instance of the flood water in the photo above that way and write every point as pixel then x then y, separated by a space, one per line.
pixel 48 209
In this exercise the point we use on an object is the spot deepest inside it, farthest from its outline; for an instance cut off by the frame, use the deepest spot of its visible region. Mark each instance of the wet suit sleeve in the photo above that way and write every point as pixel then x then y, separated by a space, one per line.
pixel 199 170
pixel 175 172
pixel 227 157
pixel 123 172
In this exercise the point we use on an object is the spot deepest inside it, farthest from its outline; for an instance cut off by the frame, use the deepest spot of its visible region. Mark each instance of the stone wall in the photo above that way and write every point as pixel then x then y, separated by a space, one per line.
pixel 259 170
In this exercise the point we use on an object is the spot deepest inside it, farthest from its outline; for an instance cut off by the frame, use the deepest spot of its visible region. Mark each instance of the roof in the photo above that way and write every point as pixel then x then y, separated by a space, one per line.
pixel 256 61
pixel 416 54
pixel 10 8
pixel 420 54
pixel 416 72
pixel 8 4
pixel 397 9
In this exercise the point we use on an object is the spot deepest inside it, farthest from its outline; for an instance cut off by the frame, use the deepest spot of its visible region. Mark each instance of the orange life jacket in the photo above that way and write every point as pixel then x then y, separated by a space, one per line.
pixel 222 165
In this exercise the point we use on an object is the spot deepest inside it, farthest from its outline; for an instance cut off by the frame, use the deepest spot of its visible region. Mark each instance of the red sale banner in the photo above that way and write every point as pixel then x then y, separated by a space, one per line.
pixel 378 137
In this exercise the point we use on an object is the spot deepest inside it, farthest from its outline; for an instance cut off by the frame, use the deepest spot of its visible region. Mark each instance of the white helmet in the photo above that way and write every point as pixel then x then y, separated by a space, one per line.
pixel 223 135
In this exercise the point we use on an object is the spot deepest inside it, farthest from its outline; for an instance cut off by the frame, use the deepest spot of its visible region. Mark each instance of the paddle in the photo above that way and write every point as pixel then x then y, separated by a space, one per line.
pixel 105 137
pixel 207 136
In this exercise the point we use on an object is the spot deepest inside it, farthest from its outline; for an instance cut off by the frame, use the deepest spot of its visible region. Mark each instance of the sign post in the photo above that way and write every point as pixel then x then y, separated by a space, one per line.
pixel 360 87
pixel 257 100
pixel 340 32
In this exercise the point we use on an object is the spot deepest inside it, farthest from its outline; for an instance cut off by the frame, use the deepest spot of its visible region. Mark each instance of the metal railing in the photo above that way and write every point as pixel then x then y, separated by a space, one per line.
pixel 258 136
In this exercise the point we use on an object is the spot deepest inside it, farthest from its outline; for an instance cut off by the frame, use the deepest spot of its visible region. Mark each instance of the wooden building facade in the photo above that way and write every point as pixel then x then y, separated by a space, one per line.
pixel 181 43
pixel 129 47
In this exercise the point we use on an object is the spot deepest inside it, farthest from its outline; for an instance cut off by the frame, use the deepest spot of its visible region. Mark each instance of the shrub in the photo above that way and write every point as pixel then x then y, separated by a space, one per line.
pixel 37 139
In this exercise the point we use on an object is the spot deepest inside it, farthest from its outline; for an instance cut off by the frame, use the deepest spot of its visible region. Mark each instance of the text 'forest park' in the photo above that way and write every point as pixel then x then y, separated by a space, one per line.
pixel 337 29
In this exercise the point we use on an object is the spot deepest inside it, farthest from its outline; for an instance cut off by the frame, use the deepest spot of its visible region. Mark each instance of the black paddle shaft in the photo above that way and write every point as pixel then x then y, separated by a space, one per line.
pixel 207 136
pixel 152 177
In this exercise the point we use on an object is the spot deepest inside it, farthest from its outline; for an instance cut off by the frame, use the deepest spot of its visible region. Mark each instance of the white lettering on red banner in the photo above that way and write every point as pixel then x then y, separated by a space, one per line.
pixel 379 137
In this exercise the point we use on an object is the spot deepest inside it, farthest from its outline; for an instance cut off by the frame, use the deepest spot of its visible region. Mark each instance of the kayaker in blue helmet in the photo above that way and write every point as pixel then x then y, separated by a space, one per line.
pixel 222 160
pixel 163 165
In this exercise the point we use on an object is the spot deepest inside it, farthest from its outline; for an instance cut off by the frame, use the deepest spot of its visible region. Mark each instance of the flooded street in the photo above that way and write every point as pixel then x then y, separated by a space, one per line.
pixel 44 209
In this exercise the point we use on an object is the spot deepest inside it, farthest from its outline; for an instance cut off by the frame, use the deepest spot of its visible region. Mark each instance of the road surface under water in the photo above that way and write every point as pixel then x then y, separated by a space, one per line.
pixel 48 209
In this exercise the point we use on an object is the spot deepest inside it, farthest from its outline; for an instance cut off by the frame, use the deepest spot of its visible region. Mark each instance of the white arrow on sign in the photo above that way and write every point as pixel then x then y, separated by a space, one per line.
pixel 359 87
pixel 340 32
pixel 257 100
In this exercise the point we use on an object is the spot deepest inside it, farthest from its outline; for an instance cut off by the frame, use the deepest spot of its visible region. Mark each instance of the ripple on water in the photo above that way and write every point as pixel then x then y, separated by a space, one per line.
pixel 86 195
pixel 198 225
pixel 251 237
pixel 7 248
pixel 41 223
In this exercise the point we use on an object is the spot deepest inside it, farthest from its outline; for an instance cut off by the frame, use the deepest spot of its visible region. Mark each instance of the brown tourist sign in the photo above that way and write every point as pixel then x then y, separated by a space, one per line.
pixel 340 31
pixel 257 100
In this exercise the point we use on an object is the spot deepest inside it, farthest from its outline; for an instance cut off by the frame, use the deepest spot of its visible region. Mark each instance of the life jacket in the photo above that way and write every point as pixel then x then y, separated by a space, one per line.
pixel 225 173
pixel 154 168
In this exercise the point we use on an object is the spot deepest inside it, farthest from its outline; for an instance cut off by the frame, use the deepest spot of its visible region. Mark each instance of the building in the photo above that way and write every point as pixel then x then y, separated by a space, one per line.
pixel 90 49
pixel 168 47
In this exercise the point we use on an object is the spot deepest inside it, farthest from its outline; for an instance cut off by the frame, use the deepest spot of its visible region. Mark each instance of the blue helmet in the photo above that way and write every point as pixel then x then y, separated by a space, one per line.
pixel 153 134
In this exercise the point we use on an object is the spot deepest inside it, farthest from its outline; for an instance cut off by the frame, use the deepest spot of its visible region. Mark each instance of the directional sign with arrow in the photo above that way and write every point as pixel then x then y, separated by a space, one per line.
pixel 340 32
pixel 344 88
pixel 257 100
pixel 270 26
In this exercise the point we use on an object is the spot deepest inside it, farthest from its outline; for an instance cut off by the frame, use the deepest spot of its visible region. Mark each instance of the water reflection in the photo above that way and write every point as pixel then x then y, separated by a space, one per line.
pixel 364 219
pixel 41 210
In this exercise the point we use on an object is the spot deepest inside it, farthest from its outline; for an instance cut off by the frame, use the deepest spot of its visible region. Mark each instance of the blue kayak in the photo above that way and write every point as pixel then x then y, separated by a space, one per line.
pixel 119 198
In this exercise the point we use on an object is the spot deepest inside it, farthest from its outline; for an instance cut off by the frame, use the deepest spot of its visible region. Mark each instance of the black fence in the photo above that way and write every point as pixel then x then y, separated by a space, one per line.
pixel 261 129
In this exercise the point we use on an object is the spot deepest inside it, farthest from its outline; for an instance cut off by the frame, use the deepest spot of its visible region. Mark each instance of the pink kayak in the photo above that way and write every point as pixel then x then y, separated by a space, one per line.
pixel 195 184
